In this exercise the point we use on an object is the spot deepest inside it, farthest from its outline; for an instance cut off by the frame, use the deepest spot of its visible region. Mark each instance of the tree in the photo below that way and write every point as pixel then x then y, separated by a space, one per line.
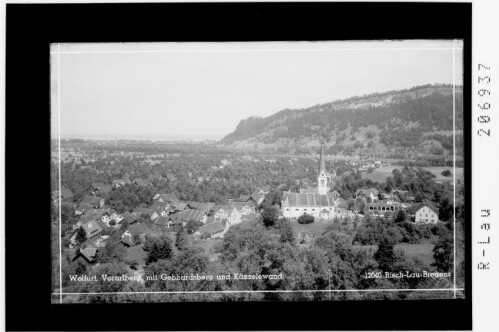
pixel 443 253
pixel 181 241
pixel 385 255
pixel 286 232
pixel 158 248
pixel 81 235
pixel 400 217
pixel 446 173
pixel 113 251
pixel 270 215
pixel 306 219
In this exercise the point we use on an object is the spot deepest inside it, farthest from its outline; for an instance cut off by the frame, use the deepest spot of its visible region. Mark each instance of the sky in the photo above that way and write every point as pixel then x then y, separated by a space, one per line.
pixel 206 89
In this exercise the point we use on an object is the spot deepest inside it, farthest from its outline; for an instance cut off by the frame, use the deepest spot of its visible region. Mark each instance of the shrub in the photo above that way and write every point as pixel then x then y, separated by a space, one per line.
pixel 306 219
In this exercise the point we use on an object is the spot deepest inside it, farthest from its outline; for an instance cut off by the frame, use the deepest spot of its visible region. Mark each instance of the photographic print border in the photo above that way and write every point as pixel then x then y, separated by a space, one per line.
pixel 30 31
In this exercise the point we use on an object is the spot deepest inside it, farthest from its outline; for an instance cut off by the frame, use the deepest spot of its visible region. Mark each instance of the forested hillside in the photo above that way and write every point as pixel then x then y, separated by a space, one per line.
pixel 395 123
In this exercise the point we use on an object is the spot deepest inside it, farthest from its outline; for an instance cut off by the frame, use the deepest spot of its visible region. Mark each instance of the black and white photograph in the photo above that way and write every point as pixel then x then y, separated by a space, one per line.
pixel 257 171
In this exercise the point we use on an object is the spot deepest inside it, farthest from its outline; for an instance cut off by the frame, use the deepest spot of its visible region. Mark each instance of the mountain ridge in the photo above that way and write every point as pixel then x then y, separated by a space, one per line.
pixel 387 121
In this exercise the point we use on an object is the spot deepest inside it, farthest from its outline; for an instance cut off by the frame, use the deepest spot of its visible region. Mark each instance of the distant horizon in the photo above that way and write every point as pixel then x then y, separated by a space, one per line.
pixel 171 90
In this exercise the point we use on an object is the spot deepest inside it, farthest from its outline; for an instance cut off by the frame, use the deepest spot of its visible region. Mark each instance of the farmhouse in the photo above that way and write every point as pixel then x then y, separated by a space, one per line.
pixel 371 193
pixel 167 197
pixel 216 229
pixel 426 213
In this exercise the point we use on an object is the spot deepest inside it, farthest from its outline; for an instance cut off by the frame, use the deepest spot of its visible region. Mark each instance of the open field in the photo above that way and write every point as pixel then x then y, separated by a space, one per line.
pixel 382 173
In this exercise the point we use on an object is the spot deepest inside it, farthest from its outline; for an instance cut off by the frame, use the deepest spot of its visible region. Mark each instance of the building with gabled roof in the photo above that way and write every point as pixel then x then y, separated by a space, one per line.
pixel 371 193
pixel 193 215
pixel 205 207
pixel 216 229
pixel 93 229
pixel 425 213
pixel 166 197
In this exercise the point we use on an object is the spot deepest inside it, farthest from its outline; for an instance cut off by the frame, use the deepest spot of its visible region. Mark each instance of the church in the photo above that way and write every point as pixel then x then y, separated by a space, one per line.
pixel 320 204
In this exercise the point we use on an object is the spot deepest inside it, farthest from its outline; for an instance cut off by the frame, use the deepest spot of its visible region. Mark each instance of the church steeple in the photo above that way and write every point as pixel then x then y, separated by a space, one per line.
pixel 322 185
pixel 322 164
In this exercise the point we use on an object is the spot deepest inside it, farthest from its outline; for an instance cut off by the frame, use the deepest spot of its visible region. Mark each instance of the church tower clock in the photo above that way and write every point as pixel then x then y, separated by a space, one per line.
pixel 322 182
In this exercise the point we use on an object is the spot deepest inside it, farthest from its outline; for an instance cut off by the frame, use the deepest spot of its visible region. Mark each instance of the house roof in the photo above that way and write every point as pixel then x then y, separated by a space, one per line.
pixel 128 240
pixel 159 205
pixel 129 217
pixel 205 207
pixel 142 210
pixel 216 208
pixel 162 221
pixel 428 204
pixel 239 205
pixel 367 192
pixel 256 196
pixel 140 228
pixel 191 215
pixel 89 253
pixel 180 206
pixel 214 227
pixel 244 198
pixel 92 228
pixel 209 220
pixel 168 197
pixel 82 207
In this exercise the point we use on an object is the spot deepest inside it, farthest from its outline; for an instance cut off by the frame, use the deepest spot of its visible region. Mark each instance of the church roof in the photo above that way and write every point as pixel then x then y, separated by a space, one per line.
pixel 312 200
pixel 322 164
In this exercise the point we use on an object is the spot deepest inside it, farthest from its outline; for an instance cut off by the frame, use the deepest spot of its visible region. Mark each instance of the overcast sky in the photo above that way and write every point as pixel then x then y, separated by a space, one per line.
pixel 171 89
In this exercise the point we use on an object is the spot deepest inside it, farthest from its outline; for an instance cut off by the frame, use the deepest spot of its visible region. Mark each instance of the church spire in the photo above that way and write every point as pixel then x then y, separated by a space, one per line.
pixel 322 164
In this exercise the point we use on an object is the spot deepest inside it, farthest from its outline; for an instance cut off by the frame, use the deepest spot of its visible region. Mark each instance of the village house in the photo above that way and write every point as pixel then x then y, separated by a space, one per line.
pixel 219 212
pixel 139 211
pixel 426 213
pixel 205 207
pixel 166 197
pixel 87 255
pixel 216 229
pixel 163 222
pixel 127 239
pixel 371 193
pixel 255 198
pixel 129 217
pixel 193 216
pixel 93 229
pixel 139 231
pixel 89 202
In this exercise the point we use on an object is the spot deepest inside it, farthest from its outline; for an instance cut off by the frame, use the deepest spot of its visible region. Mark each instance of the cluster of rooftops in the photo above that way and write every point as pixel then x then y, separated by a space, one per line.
pixel 166 211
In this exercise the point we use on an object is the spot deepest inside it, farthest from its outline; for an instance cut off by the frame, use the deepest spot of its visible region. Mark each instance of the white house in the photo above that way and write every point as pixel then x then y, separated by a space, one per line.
pixel 426 213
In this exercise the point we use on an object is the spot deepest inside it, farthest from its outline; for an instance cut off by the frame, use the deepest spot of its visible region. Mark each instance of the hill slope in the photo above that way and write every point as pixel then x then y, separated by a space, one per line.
pixel 396 123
